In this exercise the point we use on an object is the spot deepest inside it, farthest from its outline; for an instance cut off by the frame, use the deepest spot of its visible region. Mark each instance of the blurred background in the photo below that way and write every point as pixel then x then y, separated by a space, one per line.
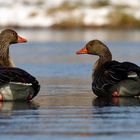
pixel 70 13
pixel 85 16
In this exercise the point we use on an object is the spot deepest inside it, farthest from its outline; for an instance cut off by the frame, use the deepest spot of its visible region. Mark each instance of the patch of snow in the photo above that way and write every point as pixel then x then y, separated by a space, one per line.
pixel 131 3
pixel 96 16
pixel 20 13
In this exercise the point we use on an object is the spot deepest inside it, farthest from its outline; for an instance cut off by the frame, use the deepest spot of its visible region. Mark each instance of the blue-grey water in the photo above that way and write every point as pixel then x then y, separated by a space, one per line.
pixel 65 107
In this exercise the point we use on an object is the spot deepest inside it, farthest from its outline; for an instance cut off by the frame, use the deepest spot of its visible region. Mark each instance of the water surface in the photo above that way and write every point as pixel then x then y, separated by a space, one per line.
pixel 65 107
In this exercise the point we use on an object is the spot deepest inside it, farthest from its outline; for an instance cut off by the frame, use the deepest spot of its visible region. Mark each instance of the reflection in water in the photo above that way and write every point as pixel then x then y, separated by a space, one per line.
pixel 70 115
pixel 116 117
pixel 7 108
pixel 124 101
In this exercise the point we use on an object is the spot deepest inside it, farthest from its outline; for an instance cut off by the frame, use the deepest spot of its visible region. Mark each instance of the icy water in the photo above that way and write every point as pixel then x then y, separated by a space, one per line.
pixel 65 107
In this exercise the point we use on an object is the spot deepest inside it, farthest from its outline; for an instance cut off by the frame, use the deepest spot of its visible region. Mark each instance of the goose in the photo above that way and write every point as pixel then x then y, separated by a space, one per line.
pixel 15 83
pixel 112 78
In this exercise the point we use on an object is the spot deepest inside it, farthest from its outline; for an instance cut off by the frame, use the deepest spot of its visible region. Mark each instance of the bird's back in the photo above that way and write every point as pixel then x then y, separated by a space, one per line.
pixel 109 76
pixel 18 81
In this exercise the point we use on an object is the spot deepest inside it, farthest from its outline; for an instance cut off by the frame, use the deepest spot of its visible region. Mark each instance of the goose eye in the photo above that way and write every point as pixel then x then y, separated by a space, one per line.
pixel 91 44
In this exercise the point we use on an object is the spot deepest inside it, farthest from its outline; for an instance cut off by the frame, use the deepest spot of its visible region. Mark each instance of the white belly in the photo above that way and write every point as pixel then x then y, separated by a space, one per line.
pixel 16 91
pixel 128 87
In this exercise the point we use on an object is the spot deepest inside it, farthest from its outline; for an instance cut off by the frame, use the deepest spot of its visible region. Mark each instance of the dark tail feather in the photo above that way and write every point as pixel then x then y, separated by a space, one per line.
pixel 11 74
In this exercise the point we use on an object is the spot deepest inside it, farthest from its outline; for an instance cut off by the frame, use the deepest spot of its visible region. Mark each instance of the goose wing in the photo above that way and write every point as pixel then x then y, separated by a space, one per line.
pixel 111 73
pixel 10 74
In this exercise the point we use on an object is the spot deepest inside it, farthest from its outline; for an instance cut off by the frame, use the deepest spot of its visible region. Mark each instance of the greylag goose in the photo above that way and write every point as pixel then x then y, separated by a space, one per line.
pixel 110 77
pixel 15 83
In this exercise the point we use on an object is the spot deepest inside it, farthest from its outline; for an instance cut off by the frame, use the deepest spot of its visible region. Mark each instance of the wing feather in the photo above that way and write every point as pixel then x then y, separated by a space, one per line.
pixel 110 74
pixel 12 74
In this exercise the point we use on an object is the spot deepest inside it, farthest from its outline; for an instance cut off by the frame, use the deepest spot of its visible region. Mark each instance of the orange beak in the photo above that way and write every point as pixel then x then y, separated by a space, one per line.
pixel 82 51
pixel 21 39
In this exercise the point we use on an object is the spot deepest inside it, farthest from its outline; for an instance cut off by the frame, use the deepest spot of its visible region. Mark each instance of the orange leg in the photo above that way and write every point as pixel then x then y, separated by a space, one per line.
pixel 29 96
pixel 1 97
pixel 115 94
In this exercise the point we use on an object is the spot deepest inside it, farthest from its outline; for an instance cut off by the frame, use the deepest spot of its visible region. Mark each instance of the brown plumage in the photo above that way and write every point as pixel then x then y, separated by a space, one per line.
pixel 15 83
pixel 8 37
pixel 112 78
